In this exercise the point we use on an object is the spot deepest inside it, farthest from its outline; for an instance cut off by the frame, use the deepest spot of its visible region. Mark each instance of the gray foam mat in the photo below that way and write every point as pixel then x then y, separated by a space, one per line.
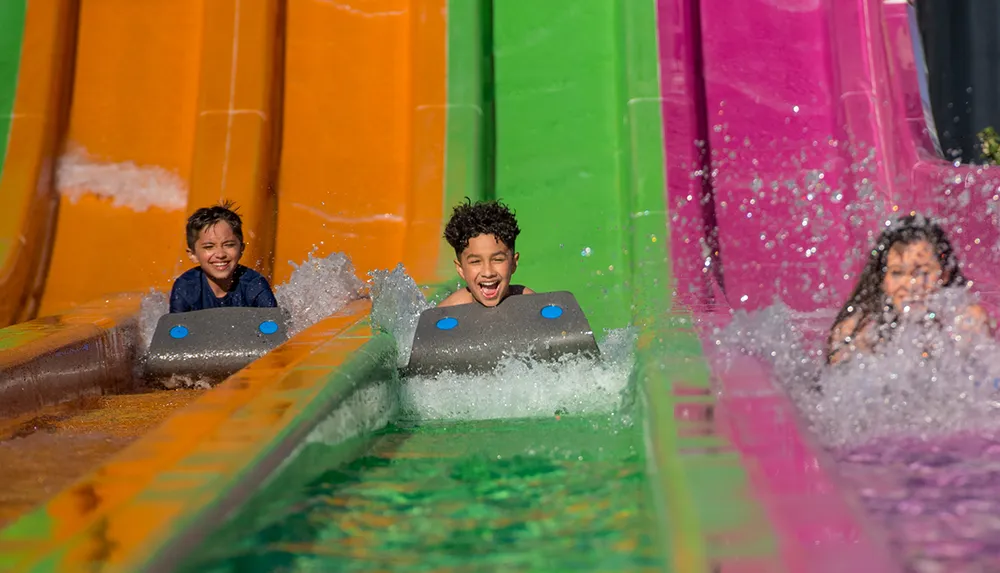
pixel 474 338
pixel 213 343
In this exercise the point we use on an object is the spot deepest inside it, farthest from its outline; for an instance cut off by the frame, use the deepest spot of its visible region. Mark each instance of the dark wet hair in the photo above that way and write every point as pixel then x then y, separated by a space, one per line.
pixel 470 220
pixel 208 216
pixel 868 300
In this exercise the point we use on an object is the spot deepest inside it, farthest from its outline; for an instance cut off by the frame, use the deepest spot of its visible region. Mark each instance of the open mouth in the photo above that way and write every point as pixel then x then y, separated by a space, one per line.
pixel 490 289
pixel 220 266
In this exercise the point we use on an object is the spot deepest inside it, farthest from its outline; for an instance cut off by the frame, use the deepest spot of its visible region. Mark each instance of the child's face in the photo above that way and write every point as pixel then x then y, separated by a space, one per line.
pixel 486 265
pixel 217 251
pixel 912 272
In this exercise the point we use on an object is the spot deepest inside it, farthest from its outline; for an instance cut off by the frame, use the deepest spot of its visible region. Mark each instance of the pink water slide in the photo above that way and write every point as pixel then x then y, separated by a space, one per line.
pixel 816 132
pixel 795 128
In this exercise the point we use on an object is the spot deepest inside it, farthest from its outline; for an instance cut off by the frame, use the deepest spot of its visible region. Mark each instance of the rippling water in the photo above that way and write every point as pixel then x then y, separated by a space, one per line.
pixel 561 494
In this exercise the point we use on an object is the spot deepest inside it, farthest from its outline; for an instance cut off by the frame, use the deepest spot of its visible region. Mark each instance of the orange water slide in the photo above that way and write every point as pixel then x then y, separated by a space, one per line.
pixel 324 121
pixel 362 158
pixel 128 171
pixel 27 213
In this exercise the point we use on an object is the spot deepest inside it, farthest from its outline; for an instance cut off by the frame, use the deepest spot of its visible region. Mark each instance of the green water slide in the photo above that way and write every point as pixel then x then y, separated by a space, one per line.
pixel 12 26
pixel 12 17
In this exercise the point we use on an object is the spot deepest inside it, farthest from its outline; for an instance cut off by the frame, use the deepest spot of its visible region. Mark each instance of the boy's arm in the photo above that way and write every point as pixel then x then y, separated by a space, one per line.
pixel 265 297
pixel 177 302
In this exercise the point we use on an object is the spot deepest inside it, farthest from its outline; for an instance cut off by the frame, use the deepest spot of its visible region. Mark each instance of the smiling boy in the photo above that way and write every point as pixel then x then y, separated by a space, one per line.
pixel 215 244
pixel 483 236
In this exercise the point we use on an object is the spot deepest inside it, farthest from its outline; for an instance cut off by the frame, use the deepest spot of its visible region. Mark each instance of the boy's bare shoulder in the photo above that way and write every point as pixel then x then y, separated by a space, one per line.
pixel 461 296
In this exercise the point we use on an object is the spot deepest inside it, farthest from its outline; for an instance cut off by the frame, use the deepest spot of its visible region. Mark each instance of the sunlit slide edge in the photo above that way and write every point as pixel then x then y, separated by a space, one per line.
pixel 181 479
pixel 87 350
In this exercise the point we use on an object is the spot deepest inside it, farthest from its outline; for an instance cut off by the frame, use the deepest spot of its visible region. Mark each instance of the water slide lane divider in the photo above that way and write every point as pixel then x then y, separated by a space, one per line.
pixel 12 19
pixel 651 277
pixel 35 70
pixel 712 517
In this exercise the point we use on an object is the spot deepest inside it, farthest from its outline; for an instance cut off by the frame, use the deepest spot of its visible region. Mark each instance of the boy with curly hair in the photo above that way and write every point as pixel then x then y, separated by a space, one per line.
pixel 483 236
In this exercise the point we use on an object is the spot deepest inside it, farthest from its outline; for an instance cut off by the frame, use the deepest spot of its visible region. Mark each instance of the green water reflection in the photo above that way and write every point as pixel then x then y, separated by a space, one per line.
pixel 539 495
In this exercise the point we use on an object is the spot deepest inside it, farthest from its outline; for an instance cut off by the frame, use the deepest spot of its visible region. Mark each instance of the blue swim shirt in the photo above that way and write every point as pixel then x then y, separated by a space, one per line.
pixel 192 292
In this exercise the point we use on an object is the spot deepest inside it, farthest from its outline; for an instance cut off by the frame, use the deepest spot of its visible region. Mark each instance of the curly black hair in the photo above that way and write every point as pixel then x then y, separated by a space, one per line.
pixel 470 220
pixel 868 301
pixel 208 216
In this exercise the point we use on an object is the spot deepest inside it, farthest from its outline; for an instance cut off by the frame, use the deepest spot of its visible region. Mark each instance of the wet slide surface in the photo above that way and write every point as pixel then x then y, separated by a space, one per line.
pixel 46 451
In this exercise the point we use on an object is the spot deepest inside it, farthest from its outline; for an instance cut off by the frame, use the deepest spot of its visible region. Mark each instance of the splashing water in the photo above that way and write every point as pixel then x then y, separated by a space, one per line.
pixel 519 387
pixel 396 306
pixel 151 308
pixel 928 379
pixel 522 388
pixel 914 430
pixel 318 288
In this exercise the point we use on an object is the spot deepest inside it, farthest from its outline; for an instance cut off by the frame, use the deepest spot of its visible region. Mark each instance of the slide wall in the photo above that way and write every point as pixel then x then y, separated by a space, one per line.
pixel 38 38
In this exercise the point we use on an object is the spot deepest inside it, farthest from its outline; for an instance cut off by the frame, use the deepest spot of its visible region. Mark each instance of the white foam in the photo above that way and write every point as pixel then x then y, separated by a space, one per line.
pixel 151 308
pixel 137 187
pixel 318 288
pixel 925 381
pixel 524 388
